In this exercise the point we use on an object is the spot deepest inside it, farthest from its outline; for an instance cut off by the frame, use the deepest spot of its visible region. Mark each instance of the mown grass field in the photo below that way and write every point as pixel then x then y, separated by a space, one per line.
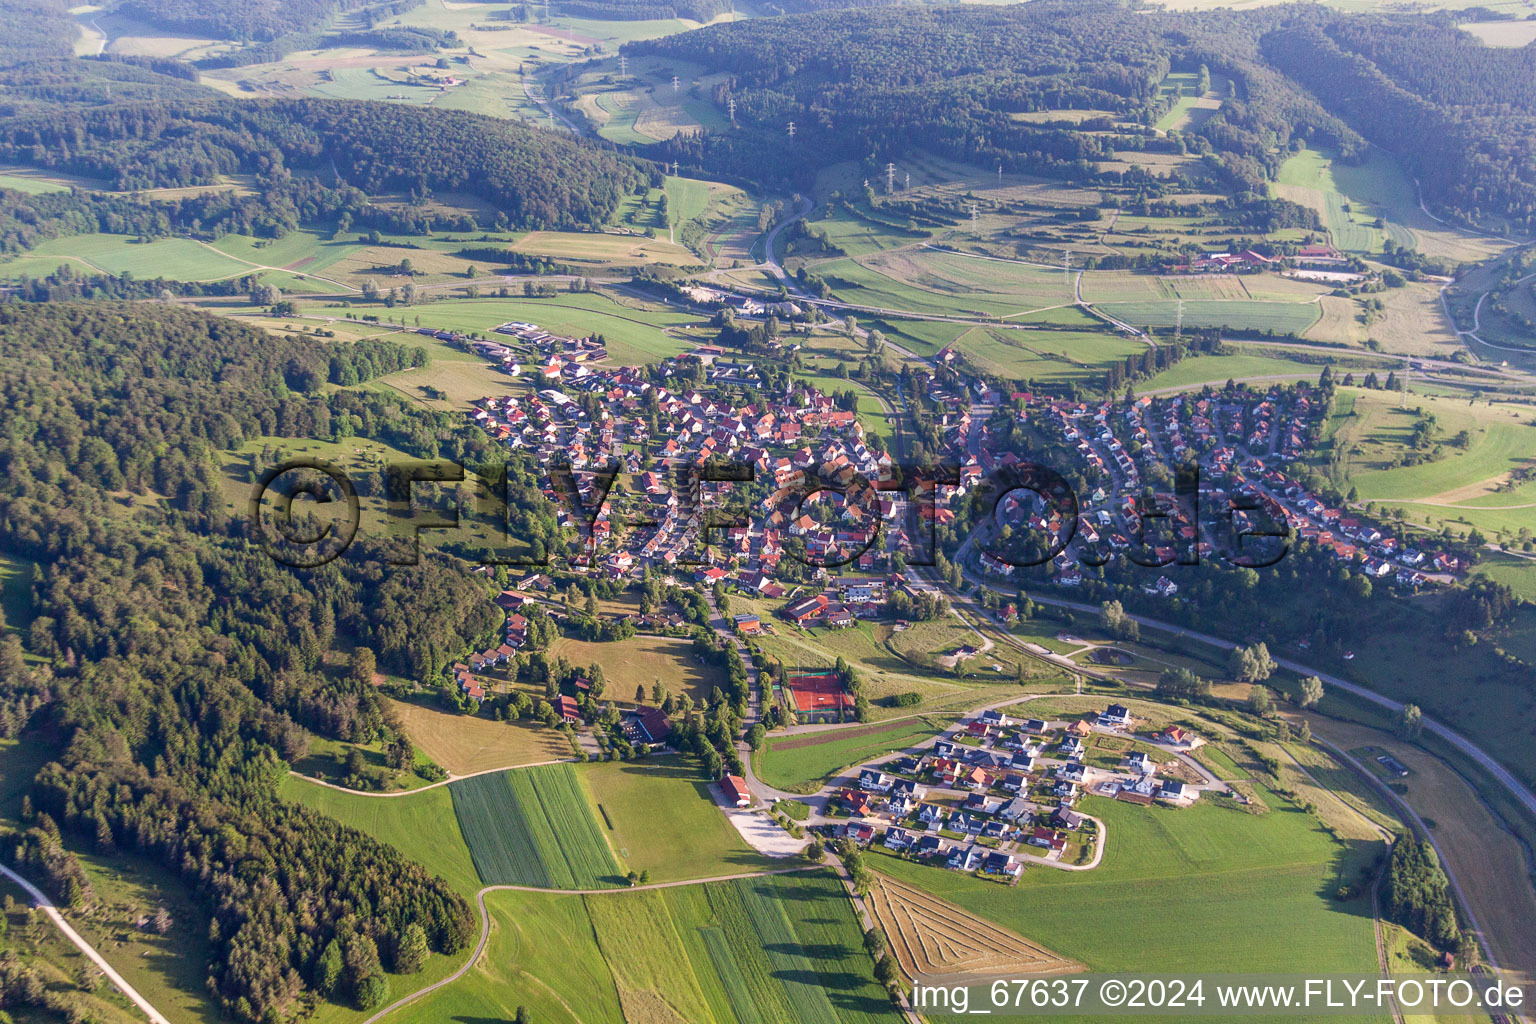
pixel 944 283
pixel 534 826
pixel 420 825
pixel 644 661
pixel 1217 370
pixel 603 249
pixel 803 762
pixel 16 591
pixel 1463 482
pixel 660 816
pixel 1240 886
pixel 1257 316
pixel 633 335
pixel 463 745
pixel 1046 355
pixel 768 950
pixel 179 259
pixel 887 674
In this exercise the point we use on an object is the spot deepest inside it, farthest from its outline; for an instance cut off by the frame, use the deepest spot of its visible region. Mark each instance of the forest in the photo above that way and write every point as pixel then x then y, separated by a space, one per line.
pixel 239 20
pixel 874 85
pixel 536 179
pixel 183 666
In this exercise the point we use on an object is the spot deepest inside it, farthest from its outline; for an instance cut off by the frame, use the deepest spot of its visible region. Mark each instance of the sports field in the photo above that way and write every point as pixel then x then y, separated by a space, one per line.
pixel 534 826
pixel 817 692
pixel 783 949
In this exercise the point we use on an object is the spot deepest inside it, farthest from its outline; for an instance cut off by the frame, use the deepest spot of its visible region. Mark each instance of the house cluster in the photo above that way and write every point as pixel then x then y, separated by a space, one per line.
pixel 1249 447
pixel 1308 257
pixel 655 436
pixel 1000 791
pixel 514 638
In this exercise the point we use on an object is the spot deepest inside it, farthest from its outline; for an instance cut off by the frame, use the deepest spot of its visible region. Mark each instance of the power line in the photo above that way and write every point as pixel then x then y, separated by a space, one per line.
pixel 730 104
pixel 791 130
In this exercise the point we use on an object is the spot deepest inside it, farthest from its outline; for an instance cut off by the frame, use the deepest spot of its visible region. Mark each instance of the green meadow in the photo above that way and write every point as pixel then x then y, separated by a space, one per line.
pixel 1242 888
pixel 633 335
pixel 536 827
pixel 421 825
pixel 782 949
pixel 783 765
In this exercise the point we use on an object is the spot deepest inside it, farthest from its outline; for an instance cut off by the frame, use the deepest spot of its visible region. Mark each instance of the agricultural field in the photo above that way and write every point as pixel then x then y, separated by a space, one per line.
pixel 1198 371
pixel 1478 847
pixel 1046 355
pixel 179 259
pixel 1192 106
pixel 464 745
pixel 1512 34
pixel 634 335
pixel 1464 482
pixel 535 827
pixel 1242 315
pixel 644 107
pixel 697 842
pixel 420 825
pixel 1241 885
pixel 604 250
pixel 1364 204
pixel 930 936
pixel 860 235
pixel 802 763
pixel 644 661
pixel 780 949
pixel 947 283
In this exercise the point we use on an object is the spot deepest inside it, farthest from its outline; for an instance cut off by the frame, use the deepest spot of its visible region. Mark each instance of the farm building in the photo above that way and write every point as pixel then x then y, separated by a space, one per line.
pixel 735 790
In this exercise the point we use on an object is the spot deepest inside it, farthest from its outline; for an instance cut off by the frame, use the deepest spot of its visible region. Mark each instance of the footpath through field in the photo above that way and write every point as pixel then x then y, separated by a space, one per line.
pixel 47 907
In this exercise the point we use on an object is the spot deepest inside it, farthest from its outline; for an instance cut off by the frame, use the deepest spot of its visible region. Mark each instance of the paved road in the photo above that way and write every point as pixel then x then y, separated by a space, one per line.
pixel 1516 788
pixel 47 907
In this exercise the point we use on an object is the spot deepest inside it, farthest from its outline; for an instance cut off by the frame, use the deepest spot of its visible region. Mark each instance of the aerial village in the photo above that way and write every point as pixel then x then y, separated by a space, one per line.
pixel 996 793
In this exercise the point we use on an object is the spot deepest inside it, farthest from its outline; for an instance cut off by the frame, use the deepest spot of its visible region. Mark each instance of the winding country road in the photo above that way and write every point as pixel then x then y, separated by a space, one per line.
pixel 47 907
pixel 485 921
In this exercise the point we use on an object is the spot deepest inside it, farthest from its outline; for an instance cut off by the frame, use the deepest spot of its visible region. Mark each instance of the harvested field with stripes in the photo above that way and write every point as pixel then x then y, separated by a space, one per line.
pixel 933 937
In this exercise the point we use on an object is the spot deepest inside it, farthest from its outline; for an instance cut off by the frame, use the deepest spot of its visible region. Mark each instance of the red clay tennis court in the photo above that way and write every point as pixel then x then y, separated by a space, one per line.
pixel 816 692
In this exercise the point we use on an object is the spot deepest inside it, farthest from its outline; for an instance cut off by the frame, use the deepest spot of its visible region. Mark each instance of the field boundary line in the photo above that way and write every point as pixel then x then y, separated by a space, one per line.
pixel 485 922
